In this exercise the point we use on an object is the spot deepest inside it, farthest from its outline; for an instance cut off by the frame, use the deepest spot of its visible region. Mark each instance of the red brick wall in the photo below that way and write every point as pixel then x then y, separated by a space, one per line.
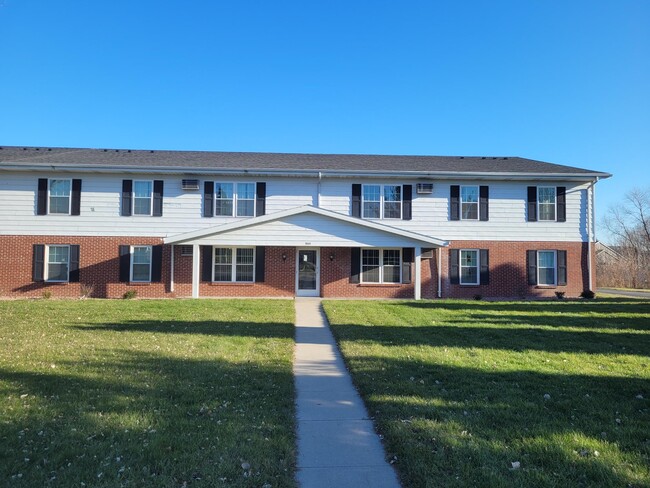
pixel 99 267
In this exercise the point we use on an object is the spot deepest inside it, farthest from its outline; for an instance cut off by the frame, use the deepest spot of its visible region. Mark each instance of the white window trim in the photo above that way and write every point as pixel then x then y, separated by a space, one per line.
pixel 133 197
pixel 539 205
pixel 233 264
pixel 131 250
pixel 381 266
pixel 477 202
pixel 46 265
pixel 382 201
pixel 478 267
pixel 235 198
pixel 49 185
pixel 554 267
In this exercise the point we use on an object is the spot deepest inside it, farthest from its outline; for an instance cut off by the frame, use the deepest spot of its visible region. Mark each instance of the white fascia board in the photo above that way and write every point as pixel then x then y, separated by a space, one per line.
pixel 198 234
pixel 185 170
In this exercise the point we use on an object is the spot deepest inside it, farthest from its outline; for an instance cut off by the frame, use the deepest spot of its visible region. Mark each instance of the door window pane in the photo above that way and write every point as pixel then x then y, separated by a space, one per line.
pixel 307 270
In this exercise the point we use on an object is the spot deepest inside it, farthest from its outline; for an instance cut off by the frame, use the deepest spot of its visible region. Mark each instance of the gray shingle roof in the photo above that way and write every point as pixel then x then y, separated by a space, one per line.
pixel 209 160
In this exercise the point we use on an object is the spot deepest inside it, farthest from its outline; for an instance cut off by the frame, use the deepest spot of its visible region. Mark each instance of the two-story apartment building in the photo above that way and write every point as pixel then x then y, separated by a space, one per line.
pixel 215 224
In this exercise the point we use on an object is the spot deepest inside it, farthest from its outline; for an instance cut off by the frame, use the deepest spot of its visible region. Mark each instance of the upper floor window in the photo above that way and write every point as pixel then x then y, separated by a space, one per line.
pixel 234 264
pixel 59 201
pixel 546 203
pixel 142 195
pixel 382 201
pixel 469 202
pixel 381 265
pixel 234 199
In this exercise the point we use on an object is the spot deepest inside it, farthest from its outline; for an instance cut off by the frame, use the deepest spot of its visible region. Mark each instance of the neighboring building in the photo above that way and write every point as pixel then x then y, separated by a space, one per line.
pixel 214 224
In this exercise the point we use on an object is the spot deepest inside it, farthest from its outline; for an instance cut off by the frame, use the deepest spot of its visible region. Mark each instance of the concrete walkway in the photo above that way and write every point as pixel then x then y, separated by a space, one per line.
pixel 337 444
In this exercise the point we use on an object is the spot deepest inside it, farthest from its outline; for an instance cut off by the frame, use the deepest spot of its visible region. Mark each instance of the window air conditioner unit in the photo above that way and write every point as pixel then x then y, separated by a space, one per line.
pixel 190 184
pixel 425 188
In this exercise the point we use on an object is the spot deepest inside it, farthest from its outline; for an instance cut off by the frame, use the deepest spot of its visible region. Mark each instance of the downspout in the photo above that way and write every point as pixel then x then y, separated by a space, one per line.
pixel 320 175
pixel 171 272
pixel 439 251
pixel 591 232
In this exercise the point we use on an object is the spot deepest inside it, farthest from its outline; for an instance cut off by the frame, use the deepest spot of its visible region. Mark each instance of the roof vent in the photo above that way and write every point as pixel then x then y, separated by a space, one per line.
pixel 190 184
pixel 424 188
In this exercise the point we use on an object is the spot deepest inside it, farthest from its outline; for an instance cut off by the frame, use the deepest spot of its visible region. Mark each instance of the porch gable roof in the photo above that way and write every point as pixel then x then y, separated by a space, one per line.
pixel 190 237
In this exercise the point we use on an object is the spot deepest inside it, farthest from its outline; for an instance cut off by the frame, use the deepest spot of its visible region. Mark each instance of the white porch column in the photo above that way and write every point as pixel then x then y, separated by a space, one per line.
pixel 418 274
pixel 171 272
pixel 196 270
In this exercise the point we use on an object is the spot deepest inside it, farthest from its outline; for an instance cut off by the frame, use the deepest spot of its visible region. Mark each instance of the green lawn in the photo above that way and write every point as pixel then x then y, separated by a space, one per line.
pixel 146 393
pixel 458 388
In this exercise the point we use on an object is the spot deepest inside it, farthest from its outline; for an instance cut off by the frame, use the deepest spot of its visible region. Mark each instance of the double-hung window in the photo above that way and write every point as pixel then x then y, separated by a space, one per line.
pixel 59 201
pixel 469 202
pixel 234 264
pixel 234 199
pixel 382 201
pixel 546 269
pixel 58 263
pixel 546 203
pixel 142 196
pixel 381 265
pixel 141 263
pixel 469 267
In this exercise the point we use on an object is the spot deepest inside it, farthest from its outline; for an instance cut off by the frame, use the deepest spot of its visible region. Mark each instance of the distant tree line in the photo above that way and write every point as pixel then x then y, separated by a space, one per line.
pixel 627 262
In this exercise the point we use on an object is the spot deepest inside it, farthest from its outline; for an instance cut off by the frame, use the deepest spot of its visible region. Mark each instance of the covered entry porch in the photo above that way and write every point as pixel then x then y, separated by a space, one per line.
pixel 308 251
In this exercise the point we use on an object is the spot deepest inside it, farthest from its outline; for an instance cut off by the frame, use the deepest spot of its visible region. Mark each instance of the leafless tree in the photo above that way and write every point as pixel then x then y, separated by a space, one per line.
pixel 629 223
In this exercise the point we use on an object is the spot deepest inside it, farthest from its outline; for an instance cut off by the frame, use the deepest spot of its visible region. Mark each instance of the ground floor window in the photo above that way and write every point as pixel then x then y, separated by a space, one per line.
pixel 469 267
pixel 381 265
pixel 58 263
pixel 546 270
pixel 141 263
pixel 234 264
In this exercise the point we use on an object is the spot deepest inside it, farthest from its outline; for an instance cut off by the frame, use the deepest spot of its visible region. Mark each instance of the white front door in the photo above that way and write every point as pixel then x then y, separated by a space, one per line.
pixel 308 272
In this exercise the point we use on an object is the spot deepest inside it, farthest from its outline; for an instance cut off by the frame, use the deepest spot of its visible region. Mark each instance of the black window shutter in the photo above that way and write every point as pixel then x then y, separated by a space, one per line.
pixel 260 199
pixel 158 186
pixel 407 264
pixel 454 202
pixel 484 203
pixel 127 189
pixel 38 261
pixel 561 268
pixel 355 264
pixel 531 258
pixel 73 276
pixel 532 205
pixel 208 199
pixel 561 203
pixel 356 200
pixel 484 258
pixel 406 204
pixel 75 207
pixel 125 264
pixel 454 269
pixel 156 263
pixel 206 263
pixel 260 253
pixel 41 200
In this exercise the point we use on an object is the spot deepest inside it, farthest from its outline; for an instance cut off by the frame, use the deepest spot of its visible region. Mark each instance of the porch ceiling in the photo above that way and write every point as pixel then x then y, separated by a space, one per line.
pixel 306 226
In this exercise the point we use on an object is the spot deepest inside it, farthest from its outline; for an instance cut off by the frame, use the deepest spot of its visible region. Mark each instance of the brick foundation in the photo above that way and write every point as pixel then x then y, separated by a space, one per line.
pixel 99 268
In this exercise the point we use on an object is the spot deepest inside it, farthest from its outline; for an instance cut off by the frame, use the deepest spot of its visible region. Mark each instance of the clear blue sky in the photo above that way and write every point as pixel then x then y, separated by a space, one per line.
pixel 560 81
